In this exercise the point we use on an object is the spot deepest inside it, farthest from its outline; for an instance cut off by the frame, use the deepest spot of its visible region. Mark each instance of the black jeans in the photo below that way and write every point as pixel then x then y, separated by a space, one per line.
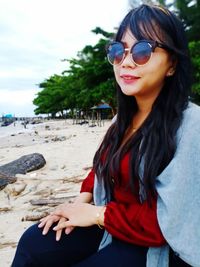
pixel 175 261
pixel 78 249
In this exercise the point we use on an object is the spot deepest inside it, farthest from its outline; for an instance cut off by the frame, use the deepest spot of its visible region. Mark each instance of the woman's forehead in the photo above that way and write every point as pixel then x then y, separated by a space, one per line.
pixel 145 32
pixel 128 36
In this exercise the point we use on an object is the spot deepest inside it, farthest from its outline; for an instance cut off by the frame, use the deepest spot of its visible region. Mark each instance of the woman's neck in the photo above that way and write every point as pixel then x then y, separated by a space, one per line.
pixel 144 106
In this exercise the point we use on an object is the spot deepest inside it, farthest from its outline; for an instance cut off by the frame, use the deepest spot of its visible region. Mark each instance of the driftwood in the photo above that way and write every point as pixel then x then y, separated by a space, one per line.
pixel 5 209
pixel 23 165
pixel 52 201
pixel 35 217
pixel 8 244
pixel 6 179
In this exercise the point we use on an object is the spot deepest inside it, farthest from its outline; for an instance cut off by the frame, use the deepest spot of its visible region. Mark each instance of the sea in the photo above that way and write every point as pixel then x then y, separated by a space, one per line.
pixel 14 128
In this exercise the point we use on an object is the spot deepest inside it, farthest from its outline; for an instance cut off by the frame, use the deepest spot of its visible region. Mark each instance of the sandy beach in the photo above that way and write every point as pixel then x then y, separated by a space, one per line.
pixel 68 150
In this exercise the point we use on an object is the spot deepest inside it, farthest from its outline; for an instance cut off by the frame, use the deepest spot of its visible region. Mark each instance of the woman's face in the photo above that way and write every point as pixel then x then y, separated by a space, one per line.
pixel 143 82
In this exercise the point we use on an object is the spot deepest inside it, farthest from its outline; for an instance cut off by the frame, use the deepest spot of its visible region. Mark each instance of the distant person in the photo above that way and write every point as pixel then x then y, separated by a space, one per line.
pixel 145 180
pixel 24 123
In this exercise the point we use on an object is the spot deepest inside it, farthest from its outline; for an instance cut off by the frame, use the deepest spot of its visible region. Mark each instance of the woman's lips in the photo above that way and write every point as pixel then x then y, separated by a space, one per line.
pixel 128 79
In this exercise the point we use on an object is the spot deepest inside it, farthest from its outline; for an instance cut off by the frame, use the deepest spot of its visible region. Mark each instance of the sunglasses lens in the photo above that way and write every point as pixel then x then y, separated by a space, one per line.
pixel 141 52
pixel 115 53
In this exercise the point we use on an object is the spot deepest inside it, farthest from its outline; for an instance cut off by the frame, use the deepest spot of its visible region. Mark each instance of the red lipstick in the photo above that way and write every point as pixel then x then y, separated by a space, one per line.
pixel 128 79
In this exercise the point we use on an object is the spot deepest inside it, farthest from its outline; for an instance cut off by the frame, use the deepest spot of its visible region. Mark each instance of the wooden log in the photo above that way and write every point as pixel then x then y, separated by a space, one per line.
pixel 8 244
pixel 7 208
pixel 23 165
pixel 6 179
pixel 35 216
pixel 52 201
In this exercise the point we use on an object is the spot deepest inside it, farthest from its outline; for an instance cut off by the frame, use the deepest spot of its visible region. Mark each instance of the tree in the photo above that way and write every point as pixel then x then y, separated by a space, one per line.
pixel 195 55
pixel 87 82
pixel 50 99
pixel 189 12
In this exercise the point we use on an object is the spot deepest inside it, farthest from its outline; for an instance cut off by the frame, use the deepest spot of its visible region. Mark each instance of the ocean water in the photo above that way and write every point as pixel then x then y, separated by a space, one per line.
pixel 14 129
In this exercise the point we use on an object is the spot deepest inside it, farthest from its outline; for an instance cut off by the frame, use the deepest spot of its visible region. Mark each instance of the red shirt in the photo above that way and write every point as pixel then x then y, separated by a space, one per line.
pixel 126 218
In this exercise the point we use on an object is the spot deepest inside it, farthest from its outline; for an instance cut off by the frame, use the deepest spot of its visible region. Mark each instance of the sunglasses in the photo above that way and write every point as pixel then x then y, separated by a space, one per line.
pixel 140 52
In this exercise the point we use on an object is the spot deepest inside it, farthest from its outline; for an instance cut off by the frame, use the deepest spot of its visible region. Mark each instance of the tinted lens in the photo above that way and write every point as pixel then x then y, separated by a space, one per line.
pixel 141 52
pixel 115 53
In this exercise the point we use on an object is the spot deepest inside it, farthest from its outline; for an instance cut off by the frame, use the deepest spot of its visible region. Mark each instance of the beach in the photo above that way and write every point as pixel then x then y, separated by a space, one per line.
pixel 68 150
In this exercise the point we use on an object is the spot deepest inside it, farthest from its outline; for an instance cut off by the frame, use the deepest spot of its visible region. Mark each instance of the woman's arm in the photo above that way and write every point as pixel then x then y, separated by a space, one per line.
pixel 84 197
pixel 88 182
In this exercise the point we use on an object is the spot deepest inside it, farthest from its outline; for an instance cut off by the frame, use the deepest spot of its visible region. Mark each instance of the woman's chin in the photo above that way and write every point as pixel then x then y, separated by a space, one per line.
pixel 129 91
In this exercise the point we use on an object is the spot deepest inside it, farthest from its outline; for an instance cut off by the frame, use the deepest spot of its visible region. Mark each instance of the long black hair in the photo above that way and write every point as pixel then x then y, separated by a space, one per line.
pixel 155 141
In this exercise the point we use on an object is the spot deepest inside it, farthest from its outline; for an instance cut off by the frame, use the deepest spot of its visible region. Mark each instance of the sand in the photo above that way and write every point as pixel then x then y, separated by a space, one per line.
pixel 68 150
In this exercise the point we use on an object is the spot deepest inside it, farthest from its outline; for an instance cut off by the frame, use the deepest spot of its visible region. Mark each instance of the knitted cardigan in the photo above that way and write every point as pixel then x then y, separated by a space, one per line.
pixel 178 202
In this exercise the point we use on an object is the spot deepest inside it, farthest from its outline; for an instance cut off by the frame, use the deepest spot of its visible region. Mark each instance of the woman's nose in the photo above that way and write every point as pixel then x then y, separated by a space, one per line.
pixel 127 61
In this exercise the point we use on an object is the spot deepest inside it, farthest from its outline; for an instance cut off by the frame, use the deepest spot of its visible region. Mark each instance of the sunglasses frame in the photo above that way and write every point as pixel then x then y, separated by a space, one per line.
pixel 152 44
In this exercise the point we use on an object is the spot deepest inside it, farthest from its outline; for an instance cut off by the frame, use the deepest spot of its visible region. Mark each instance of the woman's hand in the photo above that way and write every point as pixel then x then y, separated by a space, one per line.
pixel 77 214
pixel 49 220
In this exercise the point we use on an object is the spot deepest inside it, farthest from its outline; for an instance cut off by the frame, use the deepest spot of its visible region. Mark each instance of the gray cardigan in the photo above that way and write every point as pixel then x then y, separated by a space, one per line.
pixel 178 203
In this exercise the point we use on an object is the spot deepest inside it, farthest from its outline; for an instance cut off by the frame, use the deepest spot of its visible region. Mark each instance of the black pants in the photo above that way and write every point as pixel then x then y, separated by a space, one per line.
pixel 175 261
pixel 78 249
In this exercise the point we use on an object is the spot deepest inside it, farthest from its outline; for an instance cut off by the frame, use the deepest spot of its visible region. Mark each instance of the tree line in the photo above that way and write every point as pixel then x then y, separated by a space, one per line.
pixel 89 78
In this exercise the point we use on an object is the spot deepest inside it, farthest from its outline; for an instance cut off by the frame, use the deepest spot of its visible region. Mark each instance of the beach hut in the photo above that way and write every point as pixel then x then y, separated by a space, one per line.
pixel 100 113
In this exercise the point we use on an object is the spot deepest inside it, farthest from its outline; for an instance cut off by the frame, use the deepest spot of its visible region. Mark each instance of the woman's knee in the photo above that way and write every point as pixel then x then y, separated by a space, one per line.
pixel 30 238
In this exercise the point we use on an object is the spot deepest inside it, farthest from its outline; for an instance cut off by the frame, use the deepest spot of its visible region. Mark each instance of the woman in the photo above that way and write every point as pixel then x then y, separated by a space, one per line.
pixel 144 178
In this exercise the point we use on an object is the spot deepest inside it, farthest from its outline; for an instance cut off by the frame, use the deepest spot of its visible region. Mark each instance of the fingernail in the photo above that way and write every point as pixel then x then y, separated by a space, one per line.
pixel 44 232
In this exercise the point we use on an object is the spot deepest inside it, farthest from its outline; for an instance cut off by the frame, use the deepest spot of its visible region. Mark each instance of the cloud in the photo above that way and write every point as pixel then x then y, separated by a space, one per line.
pixel 14 102
pixel 36 35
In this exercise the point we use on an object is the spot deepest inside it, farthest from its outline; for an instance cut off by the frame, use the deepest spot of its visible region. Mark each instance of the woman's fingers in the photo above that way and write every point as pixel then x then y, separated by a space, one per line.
pixel 47 223
pixel 43 221
pixel 68 230
pixel 62 225
pixel 59 232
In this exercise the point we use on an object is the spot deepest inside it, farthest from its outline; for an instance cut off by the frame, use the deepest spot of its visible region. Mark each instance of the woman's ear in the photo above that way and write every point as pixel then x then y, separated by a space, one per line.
pixel 171 72
pixel 172 68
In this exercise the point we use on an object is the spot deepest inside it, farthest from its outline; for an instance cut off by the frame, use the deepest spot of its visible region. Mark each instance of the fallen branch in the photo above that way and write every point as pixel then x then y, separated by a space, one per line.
pixel 52 201
pixel 35 217
pixel 23 165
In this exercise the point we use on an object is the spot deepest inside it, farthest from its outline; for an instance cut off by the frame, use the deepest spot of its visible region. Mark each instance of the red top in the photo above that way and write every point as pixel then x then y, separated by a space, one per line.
pixel 126 218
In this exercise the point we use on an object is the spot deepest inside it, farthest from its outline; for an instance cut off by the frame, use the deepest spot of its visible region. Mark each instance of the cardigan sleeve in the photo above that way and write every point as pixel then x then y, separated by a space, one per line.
pixel 134 223
pixel 88 183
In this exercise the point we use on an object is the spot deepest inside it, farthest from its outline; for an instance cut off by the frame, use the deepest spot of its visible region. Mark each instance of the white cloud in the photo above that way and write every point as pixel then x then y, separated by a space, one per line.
pixel 17 102
pixel 16 98
pixel 36 35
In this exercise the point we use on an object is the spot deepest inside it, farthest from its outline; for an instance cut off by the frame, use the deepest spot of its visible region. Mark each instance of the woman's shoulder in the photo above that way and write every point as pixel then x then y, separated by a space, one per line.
pixel 190 127
pixel 192 114
pixel 194 108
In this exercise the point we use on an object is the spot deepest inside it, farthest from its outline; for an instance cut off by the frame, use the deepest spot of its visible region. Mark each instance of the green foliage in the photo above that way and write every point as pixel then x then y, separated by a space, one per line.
pixel 195 55
pixel 87 82
pixel 189 12
pixel 50 99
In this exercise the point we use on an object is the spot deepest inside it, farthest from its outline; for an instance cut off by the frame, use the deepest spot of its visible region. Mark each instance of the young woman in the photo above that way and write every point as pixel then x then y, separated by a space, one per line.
pixel 145 178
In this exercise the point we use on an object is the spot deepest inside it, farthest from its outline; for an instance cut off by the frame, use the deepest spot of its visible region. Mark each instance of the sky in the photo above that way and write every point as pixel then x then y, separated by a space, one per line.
pixel 35 35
